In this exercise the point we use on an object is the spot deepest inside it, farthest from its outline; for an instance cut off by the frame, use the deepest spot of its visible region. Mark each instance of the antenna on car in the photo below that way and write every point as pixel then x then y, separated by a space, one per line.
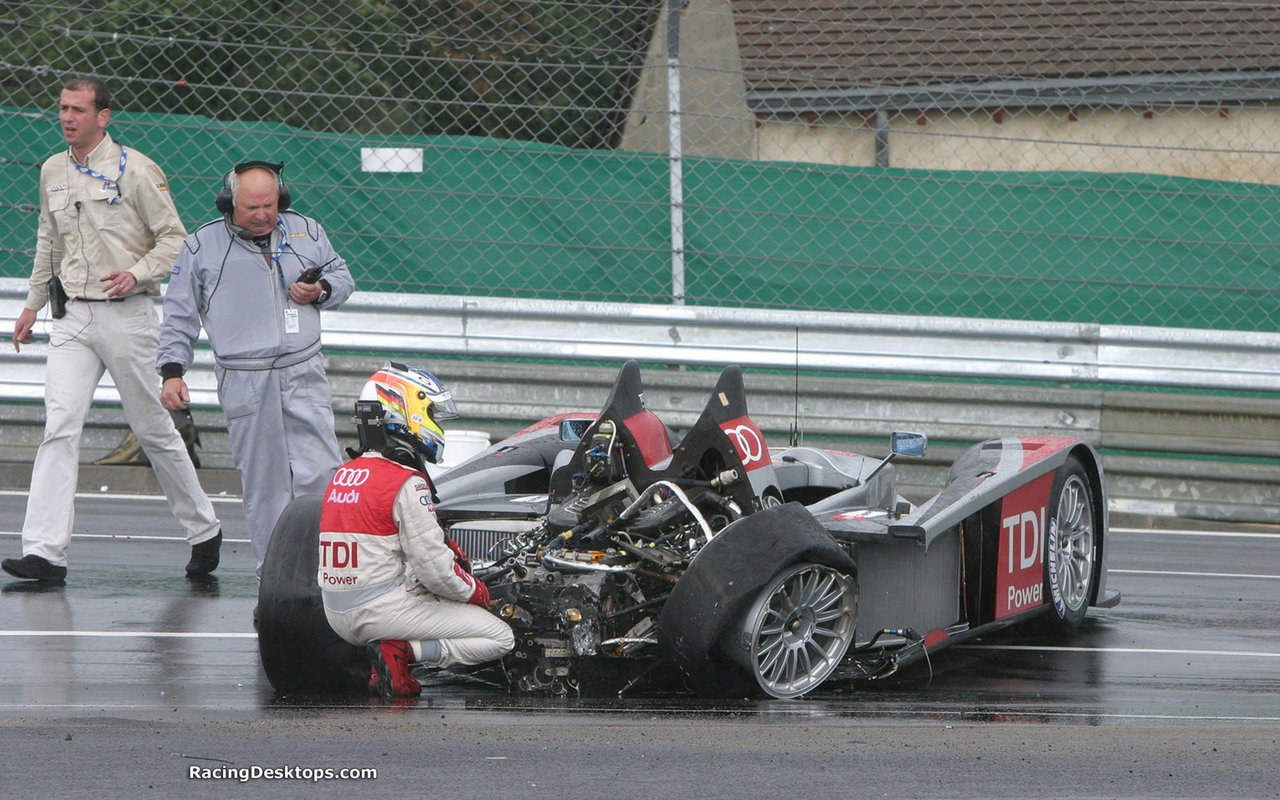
pixel 794 438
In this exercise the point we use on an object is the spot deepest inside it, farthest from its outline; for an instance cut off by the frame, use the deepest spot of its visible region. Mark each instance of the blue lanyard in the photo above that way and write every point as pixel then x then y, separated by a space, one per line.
pixel 284 242
pixel 124 158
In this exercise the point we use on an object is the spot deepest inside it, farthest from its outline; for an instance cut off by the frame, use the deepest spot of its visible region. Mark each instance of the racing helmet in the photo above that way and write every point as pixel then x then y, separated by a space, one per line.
pixel 413 403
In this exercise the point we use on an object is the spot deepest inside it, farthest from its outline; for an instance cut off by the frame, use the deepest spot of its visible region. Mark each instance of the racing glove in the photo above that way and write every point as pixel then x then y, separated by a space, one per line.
pixel 459 555
pixel 480 597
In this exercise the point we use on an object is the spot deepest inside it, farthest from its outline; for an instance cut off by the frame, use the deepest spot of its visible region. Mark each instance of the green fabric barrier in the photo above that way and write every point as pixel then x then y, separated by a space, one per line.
pixel 507 218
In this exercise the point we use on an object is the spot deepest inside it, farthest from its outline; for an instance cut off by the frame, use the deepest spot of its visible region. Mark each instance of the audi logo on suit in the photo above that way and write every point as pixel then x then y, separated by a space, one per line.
pixel 349 477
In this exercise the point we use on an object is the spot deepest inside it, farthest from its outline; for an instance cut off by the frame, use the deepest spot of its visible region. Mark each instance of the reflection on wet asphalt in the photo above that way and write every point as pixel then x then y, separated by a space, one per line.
pixel 1194 638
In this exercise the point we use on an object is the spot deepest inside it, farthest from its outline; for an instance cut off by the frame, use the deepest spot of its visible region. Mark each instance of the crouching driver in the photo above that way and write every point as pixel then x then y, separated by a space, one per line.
pixel 390 577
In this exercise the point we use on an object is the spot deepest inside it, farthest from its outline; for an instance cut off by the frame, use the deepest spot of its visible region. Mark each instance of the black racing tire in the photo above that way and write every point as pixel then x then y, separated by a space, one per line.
pixel 1072 541
pixel 771 497
pixel 300 652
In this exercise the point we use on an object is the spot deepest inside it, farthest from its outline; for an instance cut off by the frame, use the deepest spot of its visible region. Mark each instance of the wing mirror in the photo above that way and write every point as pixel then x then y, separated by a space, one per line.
pixel 572 430
pixel 902 443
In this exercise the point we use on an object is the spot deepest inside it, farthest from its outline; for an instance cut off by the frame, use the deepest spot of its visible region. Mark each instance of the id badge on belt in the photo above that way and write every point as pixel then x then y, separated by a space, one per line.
pixel 291 320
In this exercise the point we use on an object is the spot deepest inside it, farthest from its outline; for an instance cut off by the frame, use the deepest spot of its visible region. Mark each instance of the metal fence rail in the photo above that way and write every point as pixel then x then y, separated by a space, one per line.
pixel 929 347
pixel 860 343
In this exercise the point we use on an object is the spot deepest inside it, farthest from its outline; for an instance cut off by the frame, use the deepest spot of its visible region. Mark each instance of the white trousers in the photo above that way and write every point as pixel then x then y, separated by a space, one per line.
pixel 282 439
pixel 119 338
pixel 468 634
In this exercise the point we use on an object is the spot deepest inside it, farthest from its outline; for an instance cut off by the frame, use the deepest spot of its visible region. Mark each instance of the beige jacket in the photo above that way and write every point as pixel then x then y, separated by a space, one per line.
pixel 82 237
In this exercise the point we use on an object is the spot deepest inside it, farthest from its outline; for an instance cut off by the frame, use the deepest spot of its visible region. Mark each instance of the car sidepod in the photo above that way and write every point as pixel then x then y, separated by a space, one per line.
pixel 1033 514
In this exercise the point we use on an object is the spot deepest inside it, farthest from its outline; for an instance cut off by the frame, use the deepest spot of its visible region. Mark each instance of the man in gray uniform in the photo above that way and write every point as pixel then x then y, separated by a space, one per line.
pixel 257 279
pixel 109 229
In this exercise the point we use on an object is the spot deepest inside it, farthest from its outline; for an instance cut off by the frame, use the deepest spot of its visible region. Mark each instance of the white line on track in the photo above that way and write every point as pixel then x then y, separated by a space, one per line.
pixel 1218 534
pixel 1121 650
pixel 1087 715
pixel 133 536
pixel 159 498
pixel 1016 647
pixel 136 634
pixel 1167 573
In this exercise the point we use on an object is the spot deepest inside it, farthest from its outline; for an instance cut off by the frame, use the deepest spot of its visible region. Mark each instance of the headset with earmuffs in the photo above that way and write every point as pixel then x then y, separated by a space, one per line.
pixel 226 203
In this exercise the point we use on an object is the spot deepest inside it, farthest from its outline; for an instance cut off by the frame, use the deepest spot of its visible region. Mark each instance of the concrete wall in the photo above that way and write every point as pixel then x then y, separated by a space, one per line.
pixel 1192 143
pixel 1231 141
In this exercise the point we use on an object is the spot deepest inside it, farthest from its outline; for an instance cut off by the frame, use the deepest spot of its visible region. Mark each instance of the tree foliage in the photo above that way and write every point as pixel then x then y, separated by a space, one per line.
pixel 555 71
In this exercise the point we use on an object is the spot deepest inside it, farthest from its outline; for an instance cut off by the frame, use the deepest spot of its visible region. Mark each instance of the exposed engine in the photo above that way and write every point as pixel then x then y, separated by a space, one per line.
pixel 584 595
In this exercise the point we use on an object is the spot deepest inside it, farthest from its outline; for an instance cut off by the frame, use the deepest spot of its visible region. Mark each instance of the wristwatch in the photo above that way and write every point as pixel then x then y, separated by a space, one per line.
pixel 324 292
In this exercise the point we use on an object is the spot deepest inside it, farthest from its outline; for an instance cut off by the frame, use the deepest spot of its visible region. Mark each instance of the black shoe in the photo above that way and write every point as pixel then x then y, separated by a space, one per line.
pixel 34 568
pixel 205 556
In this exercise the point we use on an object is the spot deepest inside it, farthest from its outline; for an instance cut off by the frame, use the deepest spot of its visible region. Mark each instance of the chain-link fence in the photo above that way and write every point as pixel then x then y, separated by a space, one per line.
pixel 1052 160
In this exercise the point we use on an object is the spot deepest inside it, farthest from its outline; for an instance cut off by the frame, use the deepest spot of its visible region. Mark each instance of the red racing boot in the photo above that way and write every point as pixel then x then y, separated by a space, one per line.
pixel 390 676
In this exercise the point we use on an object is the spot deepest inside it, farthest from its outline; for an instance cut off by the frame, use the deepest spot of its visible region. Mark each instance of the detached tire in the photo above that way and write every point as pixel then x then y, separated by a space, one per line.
pixel 300 652
pixel 1071 549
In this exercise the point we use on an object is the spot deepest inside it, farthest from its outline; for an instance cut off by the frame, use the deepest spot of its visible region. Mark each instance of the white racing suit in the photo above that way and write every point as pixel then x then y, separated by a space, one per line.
pixel 386 572
pixel 271 379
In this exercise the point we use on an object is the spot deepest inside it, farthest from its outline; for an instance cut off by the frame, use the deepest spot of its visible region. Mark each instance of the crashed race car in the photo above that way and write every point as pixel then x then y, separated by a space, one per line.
pixel 713 563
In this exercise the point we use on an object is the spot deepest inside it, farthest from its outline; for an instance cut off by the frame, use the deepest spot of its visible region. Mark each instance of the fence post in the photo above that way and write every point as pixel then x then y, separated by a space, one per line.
pixel 675 151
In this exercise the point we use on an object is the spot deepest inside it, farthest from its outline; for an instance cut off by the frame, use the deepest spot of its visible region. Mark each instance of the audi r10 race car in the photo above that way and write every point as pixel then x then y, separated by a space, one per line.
pixel 711 562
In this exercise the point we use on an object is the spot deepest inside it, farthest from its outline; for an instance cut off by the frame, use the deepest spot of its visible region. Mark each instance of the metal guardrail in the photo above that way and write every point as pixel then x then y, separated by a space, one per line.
pixel 859 343
pixel 807 368
pixel 518 329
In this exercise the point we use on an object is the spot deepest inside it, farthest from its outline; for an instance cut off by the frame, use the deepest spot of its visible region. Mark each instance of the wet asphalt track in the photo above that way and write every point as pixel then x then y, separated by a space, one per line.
pixel 124 680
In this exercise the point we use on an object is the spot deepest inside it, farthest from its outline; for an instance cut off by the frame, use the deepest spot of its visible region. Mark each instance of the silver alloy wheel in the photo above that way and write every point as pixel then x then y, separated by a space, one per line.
pixel 1073 548
pixel 800 628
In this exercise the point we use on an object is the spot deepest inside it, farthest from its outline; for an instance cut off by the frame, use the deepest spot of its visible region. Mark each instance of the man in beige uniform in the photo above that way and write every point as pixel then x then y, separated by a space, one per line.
pixel 109 228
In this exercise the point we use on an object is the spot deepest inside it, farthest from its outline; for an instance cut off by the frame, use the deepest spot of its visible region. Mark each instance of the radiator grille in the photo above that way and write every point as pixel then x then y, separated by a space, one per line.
pixel 478 536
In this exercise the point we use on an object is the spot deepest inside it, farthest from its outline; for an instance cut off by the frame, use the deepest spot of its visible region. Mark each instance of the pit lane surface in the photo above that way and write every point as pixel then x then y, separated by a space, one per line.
pixel 129 677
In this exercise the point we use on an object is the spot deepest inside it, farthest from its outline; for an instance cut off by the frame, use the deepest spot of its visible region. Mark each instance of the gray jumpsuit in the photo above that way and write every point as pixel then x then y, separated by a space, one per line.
pixel 271 379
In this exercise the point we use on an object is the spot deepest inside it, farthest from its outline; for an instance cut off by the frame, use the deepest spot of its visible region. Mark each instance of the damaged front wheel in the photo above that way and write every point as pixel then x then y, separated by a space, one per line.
pixel 798 630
